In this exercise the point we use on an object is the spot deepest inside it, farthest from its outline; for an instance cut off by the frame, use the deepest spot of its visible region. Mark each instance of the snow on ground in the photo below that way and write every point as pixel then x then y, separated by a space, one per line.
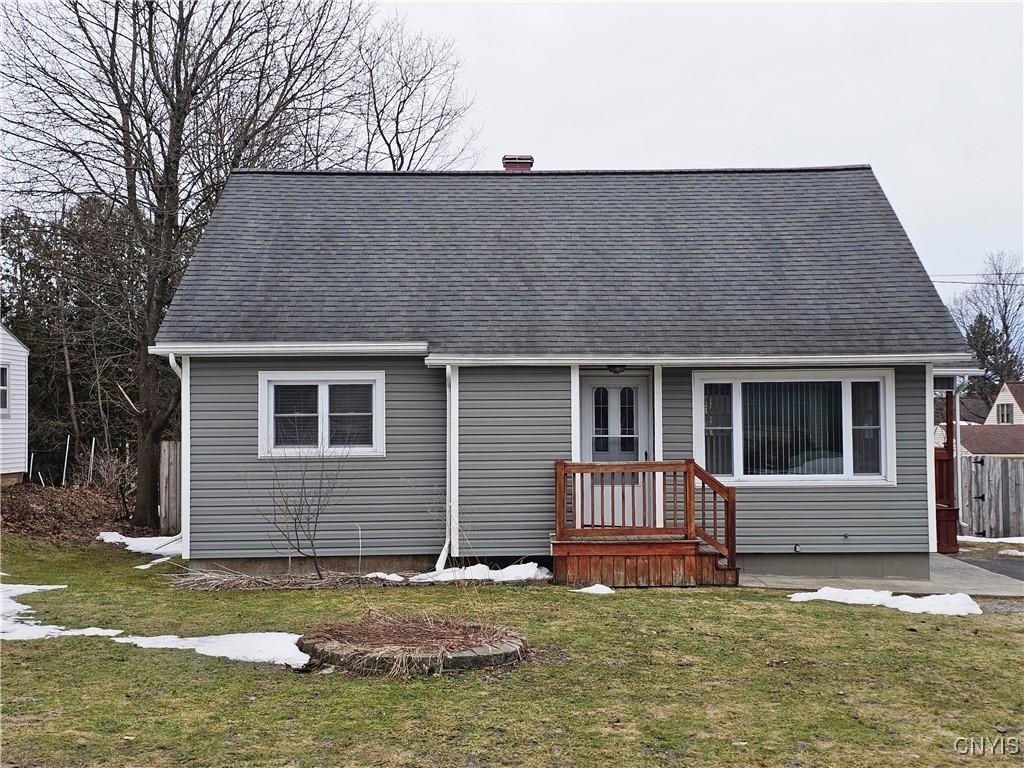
pixel 1007 540
pixel 165 546
pixel 480 572
pixel 384 576
pixel 151 563
pixel 958 604
pixel 14 625
pixel 269 647
pixel 1012 552
pixel 596 589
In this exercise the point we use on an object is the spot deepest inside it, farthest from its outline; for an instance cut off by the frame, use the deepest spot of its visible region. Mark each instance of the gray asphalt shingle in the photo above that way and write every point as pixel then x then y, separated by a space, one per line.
pixel 802 261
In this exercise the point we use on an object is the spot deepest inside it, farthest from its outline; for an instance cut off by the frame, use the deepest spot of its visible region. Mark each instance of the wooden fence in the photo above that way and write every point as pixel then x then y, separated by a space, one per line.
pixel 992 496
pixel 170 487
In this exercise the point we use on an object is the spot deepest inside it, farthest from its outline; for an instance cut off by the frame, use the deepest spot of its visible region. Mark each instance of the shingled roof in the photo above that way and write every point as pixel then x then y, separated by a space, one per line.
pixel 728 262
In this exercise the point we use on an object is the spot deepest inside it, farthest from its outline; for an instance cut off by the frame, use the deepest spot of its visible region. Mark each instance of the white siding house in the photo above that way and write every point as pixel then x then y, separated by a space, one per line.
pixel 13 407
pixel 1009 405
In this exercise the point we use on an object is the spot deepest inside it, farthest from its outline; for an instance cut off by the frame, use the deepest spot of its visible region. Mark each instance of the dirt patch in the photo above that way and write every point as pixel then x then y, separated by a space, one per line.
pixel 402 645
pixel 62 515
pixel 221 580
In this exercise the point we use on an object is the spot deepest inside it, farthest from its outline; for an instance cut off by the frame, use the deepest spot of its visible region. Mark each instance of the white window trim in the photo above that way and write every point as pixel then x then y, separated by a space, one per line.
pixel 7 409
pixel 267 379
pixel 886 377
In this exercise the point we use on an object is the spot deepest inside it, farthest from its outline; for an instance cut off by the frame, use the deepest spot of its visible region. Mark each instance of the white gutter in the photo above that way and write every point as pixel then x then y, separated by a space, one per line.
pixel 280 348
pixel 699 360
pixel 174 364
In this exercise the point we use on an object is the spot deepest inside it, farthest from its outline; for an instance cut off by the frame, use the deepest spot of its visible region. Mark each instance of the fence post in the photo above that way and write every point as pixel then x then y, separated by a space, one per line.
pixel 64 474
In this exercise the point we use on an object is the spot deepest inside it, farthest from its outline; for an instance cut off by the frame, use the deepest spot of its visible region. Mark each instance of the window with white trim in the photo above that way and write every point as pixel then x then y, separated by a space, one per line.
pixel 1004 413
pixel 5 389
pixel 321 413
pixel 815 426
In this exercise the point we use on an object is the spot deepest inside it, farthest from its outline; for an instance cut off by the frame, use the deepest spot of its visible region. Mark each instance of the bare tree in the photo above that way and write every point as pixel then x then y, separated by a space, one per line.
pixel 302 489
pixel 413 111
pixel 148 106
pixel 991 315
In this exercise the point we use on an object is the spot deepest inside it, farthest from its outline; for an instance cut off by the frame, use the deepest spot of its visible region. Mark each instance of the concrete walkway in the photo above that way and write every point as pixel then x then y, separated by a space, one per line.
pixel 947 575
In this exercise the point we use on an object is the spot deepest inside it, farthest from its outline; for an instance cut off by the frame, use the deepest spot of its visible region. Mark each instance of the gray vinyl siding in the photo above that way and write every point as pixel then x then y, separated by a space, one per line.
pixel 397 501
pixel 826 519
pixel 513 424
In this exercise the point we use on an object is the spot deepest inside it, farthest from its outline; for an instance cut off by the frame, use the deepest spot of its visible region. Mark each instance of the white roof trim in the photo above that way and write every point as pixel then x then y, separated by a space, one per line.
pixel 283 349
pixel 958 370
pixel 698 360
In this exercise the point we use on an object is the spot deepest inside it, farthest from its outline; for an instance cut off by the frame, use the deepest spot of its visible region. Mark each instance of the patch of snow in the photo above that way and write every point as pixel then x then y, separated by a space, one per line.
pixel 958 604
pixel 596 589
pixel 1012 552
pixel 1007 540
pixel 145 545
pixel 14 625
pixel 384 576
pixel 2 573
pixel 269 647
pixel 480 572
pixel 151 563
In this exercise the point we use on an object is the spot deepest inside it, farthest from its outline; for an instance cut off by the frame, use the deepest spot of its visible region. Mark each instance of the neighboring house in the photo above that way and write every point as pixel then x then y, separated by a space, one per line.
pixel 1008 407
pixel 445 338
pixel 13 408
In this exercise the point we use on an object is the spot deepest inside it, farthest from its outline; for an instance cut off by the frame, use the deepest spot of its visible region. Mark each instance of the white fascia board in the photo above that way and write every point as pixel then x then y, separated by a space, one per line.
pixel 700 361
pixel 283 349
pixel 955 370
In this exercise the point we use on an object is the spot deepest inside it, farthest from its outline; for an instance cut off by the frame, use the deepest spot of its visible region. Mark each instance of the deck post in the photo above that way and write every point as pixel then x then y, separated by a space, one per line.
pixel 559 498
pixel 688 505
pixel 730 525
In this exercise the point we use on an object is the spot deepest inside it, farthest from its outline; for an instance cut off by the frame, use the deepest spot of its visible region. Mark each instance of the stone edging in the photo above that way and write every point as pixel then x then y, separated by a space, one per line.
pixel 384 660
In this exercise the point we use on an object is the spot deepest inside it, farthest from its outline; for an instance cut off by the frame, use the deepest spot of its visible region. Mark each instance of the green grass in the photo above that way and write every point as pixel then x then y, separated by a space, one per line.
pixel 643 678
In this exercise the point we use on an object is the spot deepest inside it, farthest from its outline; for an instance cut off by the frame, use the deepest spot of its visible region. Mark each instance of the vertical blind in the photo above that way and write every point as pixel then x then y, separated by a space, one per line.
pixel 793 428
pixel 718 428
pixel 351 414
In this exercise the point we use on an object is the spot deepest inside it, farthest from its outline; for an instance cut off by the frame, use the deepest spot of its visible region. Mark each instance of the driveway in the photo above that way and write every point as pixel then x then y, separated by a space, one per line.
pixel 948 575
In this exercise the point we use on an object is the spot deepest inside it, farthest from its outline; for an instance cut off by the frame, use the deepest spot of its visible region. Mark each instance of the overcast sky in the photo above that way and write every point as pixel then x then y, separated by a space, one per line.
pixel 929 95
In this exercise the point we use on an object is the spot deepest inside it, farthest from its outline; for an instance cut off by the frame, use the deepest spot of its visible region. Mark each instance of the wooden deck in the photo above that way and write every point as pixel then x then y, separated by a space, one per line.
pixel 643 524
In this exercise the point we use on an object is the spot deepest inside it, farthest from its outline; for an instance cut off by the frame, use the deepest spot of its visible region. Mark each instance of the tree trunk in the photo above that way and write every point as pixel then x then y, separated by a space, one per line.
pixel 147 493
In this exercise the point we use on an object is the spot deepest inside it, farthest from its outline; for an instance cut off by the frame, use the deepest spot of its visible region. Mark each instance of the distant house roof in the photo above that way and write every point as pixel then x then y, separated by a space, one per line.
pixel 1016 389
pixel 724 262
pixel 1002 439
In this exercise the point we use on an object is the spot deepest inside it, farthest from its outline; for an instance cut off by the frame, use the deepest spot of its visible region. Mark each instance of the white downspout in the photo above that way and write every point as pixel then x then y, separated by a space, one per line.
pixel 956 456
pixel 174 364
pixel 442 558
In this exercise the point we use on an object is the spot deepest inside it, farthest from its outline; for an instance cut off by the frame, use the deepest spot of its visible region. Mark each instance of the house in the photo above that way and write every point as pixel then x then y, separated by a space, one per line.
pixel 721 367
pixel 13 408
pixel 1008 407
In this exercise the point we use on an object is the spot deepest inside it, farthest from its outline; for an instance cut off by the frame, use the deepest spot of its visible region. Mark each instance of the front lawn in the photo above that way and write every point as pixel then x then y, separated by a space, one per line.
pixel 713 677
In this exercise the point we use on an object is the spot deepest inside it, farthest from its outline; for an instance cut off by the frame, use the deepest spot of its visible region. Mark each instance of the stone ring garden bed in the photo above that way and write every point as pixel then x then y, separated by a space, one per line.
pixel 402 646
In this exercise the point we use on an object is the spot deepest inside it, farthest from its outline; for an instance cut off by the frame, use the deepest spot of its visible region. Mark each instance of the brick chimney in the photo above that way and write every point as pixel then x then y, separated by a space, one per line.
pixel 517 163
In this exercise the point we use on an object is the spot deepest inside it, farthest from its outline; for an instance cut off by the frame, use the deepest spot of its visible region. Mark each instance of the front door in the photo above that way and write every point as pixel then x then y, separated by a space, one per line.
pixel 616 427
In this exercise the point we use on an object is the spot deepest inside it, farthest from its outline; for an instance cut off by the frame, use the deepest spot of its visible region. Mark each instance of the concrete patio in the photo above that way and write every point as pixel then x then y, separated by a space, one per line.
pixel 947 575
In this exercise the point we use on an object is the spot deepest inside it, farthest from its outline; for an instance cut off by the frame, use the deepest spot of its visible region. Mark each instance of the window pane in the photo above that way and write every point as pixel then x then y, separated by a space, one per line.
pixel 3 399
pixel 600 420
pixel 3 376
pixel 295 399
pixel 867 450
pixel 627 419
pixel 793 428
pixel 354 430
pixel 867 400
pixel 351 398
pixel 296 431
pixel 718 428
pixel 296 422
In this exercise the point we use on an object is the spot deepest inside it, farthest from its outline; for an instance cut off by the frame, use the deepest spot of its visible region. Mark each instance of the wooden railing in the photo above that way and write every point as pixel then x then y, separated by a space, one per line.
pixel 645 498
